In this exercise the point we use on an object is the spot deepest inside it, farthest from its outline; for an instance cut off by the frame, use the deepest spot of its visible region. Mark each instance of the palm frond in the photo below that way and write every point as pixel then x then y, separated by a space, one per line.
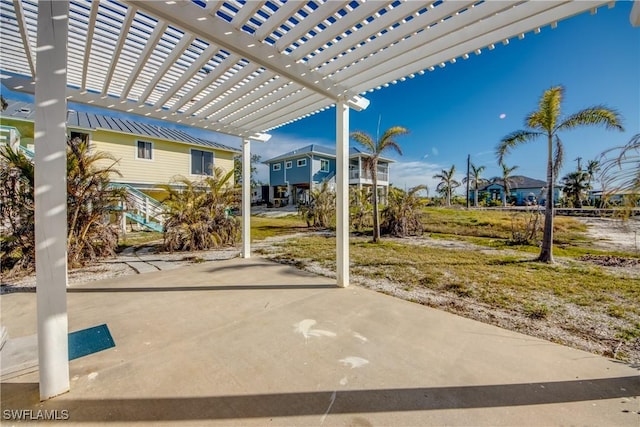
pixel 594 116
pixel 514 139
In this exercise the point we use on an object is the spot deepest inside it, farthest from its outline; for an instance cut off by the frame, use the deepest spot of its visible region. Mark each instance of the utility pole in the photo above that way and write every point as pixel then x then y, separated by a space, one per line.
pixel 579 160
pixel 468 165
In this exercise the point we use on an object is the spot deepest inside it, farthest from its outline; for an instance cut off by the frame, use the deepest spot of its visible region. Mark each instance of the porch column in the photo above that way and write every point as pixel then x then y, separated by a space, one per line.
pixel 51 197
pixel 246 198
pixel 342 193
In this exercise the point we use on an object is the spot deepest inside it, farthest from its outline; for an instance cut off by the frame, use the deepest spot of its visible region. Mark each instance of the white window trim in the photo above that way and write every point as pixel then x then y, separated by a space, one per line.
pixel 276 167
pixel 288 164
pixel 191 150
pixel 153 149
pixel 301 163
pixel 325 162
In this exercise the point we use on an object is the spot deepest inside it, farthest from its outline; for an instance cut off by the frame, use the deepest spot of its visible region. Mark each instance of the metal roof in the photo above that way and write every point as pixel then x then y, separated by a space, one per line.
pixel 245 67
pixel 89 121
pixel 318 149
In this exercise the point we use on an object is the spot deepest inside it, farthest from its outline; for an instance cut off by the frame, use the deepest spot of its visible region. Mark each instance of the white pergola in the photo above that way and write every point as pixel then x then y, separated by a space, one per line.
pixel 237 67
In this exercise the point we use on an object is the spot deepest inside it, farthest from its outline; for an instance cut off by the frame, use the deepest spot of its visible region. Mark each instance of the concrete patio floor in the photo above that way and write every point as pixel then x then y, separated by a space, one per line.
pixel 251 342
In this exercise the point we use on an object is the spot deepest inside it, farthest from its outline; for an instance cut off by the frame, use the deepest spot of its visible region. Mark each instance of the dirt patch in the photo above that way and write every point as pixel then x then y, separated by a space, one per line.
pixel 610 260
pixel 614 234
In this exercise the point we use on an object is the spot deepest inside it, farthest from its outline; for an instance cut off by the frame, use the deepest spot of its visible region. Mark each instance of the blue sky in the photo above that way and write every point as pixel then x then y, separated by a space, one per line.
pixel 456 110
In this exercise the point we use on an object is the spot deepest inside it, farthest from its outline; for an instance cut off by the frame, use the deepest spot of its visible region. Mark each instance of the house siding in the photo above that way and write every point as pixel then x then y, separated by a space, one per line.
pixel 316 173
pixel 170 159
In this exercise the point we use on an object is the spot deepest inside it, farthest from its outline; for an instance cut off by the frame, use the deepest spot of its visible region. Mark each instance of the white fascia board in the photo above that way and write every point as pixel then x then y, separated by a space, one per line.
pixel 189 16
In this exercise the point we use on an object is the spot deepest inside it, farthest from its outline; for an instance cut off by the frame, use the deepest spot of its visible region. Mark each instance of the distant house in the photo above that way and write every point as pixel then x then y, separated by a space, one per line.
pixel 294 174
pixel 147 155
pixel 522 191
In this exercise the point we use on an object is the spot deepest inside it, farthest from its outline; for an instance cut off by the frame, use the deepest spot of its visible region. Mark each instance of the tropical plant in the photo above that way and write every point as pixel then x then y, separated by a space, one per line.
pixel 402 215
pixel 90 200
pixel 575 185
pixel 237 169
pixel 321 210
pixel 506 180
pixel 199 213
pixel 374 151
pixel 360 207
pixel 621 171
pixel 475 180
pixel 593 167
pixel 447 184
pixel 548 122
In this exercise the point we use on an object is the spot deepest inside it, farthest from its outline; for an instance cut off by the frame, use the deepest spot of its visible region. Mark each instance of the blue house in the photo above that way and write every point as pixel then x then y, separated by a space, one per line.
pixel 293 175
pixel 522 191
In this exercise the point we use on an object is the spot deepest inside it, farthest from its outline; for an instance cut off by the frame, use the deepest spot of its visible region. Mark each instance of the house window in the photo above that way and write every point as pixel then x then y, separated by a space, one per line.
pixel 276 166
pixel 324 165
pixel 145 150
pixel 201 162
pixel 288 165
pixel 302 162
pixel 84 137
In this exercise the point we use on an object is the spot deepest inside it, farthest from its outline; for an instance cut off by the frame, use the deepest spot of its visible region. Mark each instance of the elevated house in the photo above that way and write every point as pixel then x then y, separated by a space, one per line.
pixel 522 191
pixel 293 175
pixel 147 155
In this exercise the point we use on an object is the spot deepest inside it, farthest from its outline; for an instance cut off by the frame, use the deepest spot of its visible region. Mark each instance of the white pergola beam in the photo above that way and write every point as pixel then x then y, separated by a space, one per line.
pixel 95 6
pixel 279 17
pixel 24 34
pixel 229 38
pixel 383 22
pixel 342 194
pixel 50 138
pixel 363 11
pixel 324 11
pixel 246 12
pixel 151 44
pixel 246 198
pixel 481 35
pixel 122 38
pixel 179 49
pixel 253 92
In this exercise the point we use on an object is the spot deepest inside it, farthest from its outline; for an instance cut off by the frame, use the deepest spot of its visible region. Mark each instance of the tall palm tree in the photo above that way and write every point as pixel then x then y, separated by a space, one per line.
pixel 575 184
pixel 548 122
pixel 593 167
pixel 507 181
pixel 374 150
pixel 447 182
pixel 476 180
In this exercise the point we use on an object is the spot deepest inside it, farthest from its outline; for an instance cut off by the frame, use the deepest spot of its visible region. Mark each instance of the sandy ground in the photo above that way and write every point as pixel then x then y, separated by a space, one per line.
pixel 614 234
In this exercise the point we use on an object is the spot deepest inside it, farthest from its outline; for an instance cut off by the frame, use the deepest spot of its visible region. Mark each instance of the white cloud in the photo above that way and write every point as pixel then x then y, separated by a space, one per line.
pixel 410 174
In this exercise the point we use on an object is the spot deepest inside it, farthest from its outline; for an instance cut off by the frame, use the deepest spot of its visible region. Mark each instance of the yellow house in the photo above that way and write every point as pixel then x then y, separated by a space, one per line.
pixel 147 155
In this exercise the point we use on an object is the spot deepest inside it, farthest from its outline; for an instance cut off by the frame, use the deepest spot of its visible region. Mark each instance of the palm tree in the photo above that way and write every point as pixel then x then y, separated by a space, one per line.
pixel 621 173
pixel 548 122
pixel 507 181
pixel 575 185
pixel 475 180
pixel 401 217
pixel 447 182
pixel 593 167
pixel 375 149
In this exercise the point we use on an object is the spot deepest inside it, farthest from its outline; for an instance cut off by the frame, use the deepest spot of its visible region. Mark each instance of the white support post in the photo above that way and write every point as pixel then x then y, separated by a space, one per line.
pixel 146 210
pixel 246 198
pixel 342 193
pixel 51 197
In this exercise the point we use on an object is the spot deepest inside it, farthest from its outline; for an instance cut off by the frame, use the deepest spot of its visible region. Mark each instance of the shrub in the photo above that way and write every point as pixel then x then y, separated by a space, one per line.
pixel 402 216
pixel 89 201
pixel 198 213
pixel 320 212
